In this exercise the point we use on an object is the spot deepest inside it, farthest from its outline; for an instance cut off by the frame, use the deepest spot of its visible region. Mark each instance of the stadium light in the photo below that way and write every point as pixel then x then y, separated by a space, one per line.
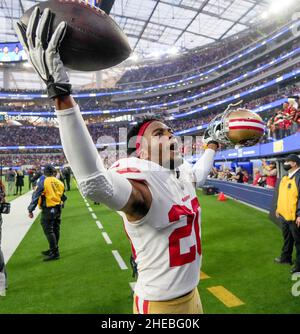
pixel 278 5
pixel 134 57
pixel 173 51
pixel 156 54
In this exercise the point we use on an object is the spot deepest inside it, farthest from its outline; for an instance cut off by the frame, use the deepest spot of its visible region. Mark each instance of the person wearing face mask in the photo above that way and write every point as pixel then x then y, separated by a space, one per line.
pixel 288 211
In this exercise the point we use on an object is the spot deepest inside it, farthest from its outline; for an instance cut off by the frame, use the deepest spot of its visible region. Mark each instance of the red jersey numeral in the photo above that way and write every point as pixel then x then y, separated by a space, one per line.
pixel 192 217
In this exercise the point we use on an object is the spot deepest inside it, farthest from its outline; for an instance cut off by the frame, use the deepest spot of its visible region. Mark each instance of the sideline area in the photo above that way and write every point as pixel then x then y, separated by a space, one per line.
pixel 16 224
pixel 239 244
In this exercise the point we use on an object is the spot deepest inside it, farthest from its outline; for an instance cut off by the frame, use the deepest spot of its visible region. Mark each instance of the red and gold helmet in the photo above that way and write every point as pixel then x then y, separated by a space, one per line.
pixel 239 127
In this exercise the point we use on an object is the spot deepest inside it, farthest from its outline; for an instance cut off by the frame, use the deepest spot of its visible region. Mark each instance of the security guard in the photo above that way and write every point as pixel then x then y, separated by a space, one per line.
pixel 49 196
pixel 288 211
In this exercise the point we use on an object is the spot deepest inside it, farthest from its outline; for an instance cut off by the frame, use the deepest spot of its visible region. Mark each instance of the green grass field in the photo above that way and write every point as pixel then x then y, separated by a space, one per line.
pixel 239 244
pixel 24 190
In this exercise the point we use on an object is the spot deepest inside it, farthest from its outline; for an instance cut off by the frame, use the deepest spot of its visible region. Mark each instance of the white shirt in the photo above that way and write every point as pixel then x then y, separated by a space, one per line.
pixel 166 243
pixel 293 173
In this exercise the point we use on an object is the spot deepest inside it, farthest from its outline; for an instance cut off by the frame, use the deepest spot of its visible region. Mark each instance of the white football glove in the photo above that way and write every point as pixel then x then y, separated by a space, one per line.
pixel 43 51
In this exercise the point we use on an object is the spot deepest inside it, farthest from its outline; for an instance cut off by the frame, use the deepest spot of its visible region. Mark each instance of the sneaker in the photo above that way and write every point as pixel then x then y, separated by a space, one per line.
pixel 52 256
pixel 278 260
pixel 46 253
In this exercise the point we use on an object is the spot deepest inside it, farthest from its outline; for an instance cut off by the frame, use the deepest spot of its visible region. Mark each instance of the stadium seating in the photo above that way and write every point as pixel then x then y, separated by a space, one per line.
pixel 179 92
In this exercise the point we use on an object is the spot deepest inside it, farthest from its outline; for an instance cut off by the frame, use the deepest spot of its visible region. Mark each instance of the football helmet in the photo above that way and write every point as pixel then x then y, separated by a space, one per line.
pixel 236 127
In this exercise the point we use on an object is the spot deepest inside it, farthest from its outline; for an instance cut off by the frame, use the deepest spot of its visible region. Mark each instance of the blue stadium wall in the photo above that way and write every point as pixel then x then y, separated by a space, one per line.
pixel 259 197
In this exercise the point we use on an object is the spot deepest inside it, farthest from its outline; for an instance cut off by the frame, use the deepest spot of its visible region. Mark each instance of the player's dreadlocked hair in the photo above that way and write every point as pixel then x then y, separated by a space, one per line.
pixel 133 132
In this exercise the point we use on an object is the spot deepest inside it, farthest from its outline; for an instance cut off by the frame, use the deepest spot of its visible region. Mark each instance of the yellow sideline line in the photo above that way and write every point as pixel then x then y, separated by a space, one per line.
pixel 225 296
pixel 203 275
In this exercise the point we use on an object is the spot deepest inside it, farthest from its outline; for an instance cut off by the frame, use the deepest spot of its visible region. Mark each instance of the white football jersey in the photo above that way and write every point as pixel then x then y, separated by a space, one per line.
pixel 166 243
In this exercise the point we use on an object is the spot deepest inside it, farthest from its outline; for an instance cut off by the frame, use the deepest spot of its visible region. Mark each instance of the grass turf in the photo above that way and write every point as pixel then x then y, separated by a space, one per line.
pixel 24 189
pixel 239 244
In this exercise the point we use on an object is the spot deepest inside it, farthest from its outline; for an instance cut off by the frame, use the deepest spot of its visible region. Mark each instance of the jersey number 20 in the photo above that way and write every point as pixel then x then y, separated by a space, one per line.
pixel 192 216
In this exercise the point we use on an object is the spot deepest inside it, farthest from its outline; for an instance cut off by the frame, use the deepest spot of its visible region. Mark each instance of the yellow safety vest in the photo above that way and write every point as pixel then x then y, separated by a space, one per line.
pixel 53 192
pixel 288 197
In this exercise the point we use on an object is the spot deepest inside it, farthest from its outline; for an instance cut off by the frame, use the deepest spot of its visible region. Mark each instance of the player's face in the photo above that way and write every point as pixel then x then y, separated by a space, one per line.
pixel 161 146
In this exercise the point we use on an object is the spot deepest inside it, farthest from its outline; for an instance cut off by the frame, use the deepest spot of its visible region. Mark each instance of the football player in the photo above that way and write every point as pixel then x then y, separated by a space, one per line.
pixel 154 190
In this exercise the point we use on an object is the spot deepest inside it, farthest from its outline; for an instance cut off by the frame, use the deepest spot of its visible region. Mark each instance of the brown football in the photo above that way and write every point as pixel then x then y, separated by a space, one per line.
pixel 93 40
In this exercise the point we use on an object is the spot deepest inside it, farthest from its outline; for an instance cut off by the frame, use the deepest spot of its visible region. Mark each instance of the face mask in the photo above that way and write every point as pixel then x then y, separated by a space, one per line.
pixel 287 167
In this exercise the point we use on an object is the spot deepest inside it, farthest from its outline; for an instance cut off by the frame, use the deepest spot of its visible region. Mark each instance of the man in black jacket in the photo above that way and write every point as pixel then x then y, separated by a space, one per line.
pixel 67 176
pixel 3 275
pixel 288 211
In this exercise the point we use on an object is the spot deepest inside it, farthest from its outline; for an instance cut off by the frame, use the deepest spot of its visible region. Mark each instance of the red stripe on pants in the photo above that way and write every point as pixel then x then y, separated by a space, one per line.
pixel 137 304
pixel 145 306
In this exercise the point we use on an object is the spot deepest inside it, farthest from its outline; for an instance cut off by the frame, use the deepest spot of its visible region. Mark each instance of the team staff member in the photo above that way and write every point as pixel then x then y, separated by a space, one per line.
pixel 67 177
pixel 3 275
pixel 288 210
pixel 49 196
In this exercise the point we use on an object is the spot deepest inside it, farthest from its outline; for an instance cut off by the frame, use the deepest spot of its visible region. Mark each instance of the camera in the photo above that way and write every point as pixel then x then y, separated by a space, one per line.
pixel 5 208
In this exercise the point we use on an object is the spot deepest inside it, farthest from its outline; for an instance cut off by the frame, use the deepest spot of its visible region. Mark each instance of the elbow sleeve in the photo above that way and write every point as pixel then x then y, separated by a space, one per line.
pixel 108 188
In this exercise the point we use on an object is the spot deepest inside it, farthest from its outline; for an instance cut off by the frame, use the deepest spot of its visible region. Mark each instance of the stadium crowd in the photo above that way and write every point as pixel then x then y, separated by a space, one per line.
pixel 281 122
pixel 188 64
pixel 263 176
pixel 184 100
pixel 42 159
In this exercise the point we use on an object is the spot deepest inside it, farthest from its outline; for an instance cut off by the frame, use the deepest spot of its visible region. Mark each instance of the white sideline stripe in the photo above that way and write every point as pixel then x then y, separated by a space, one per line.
pixel 132 285
pixel 94 216
pixel 119 259
pixel 87 204
pixel 99 224
pixel 251 205
pixel 106 238
pixel 16 225
pixel 90 209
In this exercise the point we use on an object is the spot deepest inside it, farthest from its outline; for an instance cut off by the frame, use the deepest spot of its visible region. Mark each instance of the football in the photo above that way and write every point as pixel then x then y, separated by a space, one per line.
pixel 93 40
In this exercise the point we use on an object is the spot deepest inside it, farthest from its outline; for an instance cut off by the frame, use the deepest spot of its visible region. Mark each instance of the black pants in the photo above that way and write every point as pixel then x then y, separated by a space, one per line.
pixel 291 237
pixel 19 188
pixel 68 179
pixel 50 220
pixel 2 263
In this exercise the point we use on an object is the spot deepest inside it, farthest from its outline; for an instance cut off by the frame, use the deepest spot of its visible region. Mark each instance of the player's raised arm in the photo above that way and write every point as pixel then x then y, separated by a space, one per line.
pixel 204 165
pixel 95 181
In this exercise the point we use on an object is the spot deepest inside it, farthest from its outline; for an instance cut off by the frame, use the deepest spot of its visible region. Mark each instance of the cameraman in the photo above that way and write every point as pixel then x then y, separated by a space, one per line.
pixel 49 195
pixel 3 275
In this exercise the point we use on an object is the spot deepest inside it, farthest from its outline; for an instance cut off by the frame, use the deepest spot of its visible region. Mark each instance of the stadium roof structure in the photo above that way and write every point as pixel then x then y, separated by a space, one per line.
pixel 154 27
pixel 160 24
pixel 183 23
